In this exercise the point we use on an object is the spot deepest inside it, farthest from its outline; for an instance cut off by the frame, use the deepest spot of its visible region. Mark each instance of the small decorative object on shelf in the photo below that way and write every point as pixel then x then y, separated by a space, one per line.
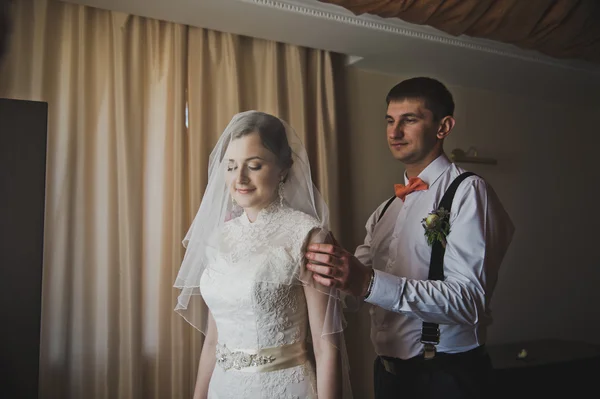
pixel 522 355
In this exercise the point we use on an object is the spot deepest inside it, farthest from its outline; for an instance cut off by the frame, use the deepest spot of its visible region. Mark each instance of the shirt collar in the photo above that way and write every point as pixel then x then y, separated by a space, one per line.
pixel 433 171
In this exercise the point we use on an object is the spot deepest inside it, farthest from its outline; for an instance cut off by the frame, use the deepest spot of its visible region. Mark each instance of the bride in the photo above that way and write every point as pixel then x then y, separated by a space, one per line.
pixel 270 330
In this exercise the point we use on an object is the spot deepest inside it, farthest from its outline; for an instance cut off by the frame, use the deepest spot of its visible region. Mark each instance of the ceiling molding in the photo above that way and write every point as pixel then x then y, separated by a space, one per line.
pixel 338 14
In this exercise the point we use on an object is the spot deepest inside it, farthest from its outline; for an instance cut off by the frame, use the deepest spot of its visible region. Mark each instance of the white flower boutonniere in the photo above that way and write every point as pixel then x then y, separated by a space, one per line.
pixel 437 226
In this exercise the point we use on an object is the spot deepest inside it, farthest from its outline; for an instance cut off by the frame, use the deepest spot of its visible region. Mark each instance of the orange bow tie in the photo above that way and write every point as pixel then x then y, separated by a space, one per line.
pixel 414 184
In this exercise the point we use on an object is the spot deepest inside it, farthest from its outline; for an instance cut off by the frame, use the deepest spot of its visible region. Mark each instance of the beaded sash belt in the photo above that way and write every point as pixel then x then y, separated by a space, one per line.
pixel 261 360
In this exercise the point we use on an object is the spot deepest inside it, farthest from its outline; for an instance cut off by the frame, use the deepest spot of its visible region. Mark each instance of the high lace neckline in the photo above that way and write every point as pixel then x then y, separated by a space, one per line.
pixel 263 216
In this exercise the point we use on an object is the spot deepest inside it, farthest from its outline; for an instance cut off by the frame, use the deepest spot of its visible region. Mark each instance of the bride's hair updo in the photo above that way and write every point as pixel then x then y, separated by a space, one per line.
pixel 272 135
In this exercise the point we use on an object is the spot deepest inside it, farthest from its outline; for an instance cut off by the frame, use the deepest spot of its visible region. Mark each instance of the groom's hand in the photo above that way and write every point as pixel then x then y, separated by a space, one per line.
pixel 333 266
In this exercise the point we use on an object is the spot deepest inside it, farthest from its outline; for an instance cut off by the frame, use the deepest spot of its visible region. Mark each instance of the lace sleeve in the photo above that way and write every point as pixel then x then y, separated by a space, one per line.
pixel 306 229
pixel 334 323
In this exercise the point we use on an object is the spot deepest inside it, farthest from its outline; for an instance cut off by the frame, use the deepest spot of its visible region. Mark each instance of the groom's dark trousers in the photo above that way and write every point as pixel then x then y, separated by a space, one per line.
pixel 464 375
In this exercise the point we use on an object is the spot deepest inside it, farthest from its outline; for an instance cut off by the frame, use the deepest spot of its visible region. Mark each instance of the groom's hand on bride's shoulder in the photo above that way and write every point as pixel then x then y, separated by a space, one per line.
pixel 333 266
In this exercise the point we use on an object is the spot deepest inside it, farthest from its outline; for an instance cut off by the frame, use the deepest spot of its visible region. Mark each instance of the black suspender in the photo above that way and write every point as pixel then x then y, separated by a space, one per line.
pixel 387 204
pixel 430 332
pixel 436 265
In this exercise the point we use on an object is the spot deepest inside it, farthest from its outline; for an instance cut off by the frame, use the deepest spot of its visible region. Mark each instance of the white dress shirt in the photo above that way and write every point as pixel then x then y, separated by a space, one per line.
pixel 396 247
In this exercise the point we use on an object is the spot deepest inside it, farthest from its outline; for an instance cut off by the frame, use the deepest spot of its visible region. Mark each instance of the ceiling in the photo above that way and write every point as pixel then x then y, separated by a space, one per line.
pixel 389 46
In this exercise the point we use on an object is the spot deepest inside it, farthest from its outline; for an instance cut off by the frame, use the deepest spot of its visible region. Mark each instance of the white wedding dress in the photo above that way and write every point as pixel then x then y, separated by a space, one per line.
pixel 252 287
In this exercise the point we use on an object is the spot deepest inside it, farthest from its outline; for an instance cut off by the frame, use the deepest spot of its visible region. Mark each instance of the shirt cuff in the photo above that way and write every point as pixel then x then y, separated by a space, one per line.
pixel 386 290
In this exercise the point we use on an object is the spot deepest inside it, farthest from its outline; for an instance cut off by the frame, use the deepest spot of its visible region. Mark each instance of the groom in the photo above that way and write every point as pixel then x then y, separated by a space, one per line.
pixel 429 279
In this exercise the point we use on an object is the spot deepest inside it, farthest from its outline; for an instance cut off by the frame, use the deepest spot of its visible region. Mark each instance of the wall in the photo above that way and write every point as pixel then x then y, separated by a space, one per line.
pixel 546 173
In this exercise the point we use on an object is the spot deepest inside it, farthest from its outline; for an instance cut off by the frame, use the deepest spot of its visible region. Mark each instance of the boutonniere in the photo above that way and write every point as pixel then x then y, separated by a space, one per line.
pixel 437 226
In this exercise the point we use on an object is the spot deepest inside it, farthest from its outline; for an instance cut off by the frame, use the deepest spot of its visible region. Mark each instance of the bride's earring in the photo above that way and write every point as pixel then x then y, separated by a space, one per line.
pixel 280 192
pixel 233 203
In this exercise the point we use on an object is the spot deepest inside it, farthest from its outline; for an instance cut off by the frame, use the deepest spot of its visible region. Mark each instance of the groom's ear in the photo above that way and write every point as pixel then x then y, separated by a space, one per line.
pixel 445 127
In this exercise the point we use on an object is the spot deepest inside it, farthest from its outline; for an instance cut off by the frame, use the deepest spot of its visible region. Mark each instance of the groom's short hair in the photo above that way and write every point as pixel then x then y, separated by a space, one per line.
pixel 435 95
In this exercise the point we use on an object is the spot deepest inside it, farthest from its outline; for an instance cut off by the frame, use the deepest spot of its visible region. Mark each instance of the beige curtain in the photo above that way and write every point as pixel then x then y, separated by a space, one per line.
pixel 125 177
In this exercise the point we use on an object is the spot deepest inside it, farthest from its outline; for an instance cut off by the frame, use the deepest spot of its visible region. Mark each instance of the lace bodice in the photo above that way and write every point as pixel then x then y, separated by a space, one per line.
pixel 253 290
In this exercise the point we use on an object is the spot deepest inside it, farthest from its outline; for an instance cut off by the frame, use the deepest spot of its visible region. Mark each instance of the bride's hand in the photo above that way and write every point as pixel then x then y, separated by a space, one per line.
pixel 333 266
